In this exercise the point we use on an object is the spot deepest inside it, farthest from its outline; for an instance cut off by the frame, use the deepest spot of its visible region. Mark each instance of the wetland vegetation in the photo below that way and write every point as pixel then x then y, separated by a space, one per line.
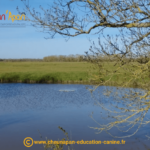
pixel 34 71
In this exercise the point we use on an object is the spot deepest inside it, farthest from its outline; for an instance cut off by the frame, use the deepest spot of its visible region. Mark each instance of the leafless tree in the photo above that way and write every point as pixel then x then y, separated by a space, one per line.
pixel 129 50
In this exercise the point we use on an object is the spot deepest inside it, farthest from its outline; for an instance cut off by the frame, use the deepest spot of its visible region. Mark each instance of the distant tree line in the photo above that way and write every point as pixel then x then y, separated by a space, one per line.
pixel 63 58
pixel 81 58
pixel 52 58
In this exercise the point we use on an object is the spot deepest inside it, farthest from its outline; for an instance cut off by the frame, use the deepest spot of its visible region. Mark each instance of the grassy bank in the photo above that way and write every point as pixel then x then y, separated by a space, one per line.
pixel 44 72
pixel 60 72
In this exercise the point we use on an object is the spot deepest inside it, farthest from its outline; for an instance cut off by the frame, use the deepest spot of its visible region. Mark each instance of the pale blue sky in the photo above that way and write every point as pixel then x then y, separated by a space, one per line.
pixel 27 42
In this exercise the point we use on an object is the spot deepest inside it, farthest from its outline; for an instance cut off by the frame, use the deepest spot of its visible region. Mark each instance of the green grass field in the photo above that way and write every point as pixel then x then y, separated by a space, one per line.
pixel 43 72
pixel 59 72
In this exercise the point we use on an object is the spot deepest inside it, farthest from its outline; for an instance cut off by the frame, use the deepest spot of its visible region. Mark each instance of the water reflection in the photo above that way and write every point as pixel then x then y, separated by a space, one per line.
pixel 127 110
pixel 27 108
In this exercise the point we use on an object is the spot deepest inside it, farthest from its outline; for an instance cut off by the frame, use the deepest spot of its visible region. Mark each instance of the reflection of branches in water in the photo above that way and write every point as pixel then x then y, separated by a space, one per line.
pixel 128 110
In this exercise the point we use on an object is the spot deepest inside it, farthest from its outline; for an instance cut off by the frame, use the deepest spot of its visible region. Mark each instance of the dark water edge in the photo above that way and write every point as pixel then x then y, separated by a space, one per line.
pixel 112 83
pixel 54 82
pixel 27 108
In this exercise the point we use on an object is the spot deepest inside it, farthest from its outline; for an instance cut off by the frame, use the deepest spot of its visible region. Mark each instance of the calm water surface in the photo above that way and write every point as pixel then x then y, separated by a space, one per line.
pixel 32 110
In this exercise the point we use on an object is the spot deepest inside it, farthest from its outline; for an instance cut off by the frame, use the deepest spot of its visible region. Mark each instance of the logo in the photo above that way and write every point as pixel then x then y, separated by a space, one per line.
pixel 12 17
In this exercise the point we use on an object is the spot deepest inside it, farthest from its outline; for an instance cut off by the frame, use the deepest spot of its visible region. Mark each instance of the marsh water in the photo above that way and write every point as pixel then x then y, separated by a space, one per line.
pixel 36 111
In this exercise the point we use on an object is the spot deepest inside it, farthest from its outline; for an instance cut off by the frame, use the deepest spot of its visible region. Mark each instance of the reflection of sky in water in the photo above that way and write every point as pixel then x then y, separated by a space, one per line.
pixel 27 108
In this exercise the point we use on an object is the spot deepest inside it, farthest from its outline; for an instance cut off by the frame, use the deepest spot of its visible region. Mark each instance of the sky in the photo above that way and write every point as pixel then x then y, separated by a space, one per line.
pixel 29 42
